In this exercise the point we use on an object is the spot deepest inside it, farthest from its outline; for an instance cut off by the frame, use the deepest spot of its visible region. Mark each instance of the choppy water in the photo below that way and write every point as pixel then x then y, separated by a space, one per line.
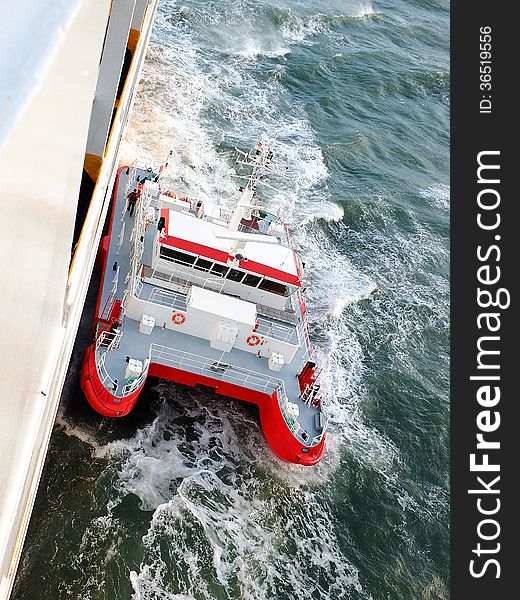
pixel 183 499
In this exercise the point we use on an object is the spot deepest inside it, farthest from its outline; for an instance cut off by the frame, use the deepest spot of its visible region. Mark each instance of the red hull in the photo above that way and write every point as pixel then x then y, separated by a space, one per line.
pixel 98 396
pixel 277 434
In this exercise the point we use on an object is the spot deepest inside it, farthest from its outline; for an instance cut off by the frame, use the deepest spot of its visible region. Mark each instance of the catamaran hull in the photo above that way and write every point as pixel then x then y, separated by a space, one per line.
pixel 279 438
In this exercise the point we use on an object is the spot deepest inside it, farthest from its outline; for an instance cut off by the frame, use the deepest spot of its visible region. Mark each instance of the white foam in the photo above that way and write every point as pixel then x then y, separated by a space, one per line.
pixel 248 532
pixel 302 29
pixel 438 195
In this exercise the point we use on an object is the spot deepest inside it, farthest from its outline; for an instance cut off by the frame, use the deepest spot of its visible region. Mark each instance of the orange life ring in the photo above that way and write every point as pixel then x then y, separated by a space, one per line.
pixel 253 340
pixel 178 318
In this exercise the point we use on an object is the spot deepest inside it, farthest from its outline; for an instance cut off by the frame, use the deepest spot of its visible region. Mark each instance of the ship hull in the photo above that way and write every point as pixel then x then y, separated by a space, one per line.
pixel 278 436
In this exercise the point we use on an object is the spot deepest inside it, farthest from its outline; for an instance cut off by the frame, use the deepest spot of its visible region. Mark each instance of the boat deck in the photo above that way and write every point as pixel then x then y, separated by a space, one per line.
pixel 180 350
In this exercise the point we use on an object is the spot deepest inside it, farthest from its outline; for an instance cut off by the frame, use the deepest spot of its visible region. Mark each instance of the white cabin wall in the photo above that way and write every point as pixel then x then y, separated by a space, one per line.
pixel 110 68
pixel 48 90
pixel 205 328
pixel 138 15
pixel 245 292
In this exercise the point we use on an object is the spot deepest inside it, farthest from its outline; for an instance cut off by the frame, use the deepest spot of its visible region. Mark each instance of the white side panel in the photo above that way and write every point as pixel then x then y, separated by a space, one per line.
pixel 41 162
pixel 109 74
pixel 137 19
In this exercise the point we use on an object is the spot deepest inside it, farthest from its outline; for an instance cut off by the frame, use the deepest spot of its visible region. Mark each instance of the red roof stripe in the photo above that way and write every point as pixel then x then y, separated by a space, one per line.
pixel 195 248
pixel 219 255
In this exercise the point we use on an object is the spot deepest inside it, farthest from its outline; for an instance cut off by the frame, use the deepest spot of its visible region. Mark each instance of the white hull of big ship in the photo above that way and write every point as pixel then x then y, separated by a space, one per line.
pixel 65 102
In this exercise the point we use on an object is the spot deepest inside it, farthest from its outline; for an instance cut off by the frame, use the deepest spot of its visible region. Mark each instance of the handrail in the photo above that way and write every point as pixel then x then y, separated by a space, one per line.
pixel 115 282
pixel 167 298
pixel 121 237
pixel 276 331
pixel 293 424
pixel 186 279
pixel 103 374
pixel 205 366
pixel 266 328
pixel 214 368
pixel 236 375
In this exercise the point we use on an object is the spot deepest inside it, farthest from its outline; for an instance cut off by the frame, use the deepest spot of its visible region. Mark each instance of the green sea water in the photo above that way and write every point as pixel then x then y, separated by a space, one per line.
pixel 183 499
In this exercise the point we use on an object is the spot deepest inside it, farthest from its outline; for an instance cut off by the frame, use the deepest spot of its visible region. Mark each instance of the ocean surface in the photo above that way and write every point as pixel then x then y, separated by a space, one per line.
pixel 183 499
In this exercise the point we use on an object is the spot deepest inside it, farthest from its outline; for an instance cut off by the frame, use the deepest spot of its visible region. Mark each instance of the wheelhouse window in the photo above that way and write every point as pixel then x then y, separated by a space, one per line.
pixel 202 264
pixel 252 280
pixel 218 269
pixel 235 275
pixel 176 255
pixel 273 287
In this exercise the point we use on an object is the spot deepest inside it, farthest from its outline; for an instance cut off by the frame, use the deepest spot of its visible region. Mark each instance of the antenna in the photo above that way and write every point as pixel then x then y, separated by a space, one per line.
pixel 246 237
pixel 259 161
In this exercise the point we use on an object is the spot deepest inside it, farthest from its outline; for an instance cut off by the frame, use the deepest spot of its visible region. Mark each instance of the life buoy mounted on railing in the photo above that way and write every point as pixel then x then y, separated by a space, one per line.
pixel 178 318
pixel 253 340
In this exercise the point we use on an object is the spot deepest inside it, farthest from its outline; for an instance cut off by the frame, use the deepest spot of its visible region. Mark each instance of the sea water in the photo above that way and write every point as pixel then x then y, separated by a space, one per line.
pixel 183 499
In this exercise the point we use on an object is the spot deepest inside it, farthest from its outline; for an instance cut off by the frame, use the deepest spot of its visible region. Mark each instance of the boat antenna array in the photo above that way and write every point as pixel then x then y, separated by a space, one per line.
pixel 259 160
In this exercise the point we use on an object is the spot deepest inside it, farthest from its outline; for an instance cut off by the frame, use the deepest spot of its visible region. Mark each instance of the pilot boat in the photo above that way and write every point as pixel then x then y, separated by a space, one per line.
pixel 203 296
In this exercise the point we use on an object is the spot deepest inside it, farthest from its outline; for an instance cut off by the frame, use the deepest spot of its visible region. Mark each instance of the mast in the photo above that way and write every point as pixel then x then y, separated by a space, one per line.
pixel 259 161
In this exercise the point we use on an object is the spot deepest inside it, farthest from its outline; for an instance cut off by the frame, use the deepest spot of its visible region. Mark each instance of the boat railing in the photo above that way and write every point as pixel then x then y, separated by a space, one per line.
pixel 276 331
pixel 137 247
pixel 141 164
pixel 106 340
pixel 247 229
pixel 213 368
pixel 266 327
pixel 173 300
pixel 292 422
pixel 123 303
pixel 218 281
pixel 177 277
pixel 121 237
pixel 317 438
pixel 138 286
pixel 115 282
pixel 304 329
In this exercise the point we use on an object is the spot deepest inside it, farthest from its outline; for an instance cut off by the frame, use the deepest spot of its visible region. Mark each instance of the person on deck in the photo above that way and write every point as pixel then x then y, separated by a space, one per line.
pixel 132 201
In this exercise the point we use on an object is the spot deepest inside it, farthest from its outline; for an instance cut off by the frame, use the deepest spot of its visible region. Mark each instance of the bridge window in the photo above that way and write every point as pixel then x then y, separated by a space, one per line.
pixel 268 285
pixel 203 264
pixel 252 280
pixel 235 275
pixel 176 256
pixel 218 269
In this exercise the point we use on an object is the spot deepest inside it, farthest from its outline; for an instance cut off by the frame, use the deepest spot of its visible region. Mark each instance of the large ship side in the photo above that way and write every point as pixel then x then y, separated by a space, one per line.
pixel 69 75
